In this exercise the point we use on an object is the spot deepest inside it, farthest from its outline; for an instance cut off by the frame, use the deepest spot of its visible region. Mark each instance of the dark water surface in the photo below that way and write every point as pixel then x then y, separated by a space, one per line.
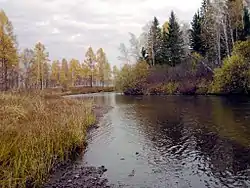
pixel 182 141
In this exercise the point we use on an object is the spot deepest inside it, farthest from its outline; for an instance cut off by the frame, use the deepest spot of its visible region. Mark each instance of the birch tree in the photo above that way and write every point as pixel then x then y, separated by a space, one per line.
pixel 90 59
pixel 74 71
pixel 135 48
pixel 40 64
pixel 64 73
pixel 101 62
pixel 125 55
pixel 26 61
pixel 55 72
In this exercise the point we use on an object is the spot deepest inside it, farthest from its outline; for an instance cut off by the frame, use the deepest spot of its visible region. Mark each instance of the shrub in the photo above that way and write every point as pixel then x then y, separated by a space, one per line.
pixel 232 77
pixel 170 88
pixel 242 49
pixel 132 77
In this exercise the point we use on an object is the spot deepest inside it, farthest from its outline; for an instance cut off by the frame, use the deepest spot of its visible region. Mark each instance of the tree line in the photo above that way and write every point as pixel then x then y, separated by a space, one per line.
pixel 32 68
pixel 190 54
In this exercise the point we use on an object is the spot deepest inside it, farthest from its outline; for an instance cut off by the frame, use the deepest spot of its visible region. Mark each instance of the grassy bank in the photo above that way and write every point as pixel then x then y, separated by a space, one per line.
pixel 36 132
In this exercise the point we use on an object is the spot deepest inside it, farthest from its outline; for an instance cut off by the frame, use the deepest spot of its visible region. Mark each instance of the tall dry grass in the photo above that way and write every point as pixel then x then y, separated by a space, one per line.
pixel 36 132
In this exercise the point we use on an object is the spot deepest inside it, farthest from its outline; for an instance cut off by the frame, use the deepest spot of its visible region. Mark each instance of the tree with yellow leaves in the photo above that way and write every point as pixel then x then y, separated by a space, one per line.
pixel 8 51
pixel 64 73
pixel 74 71
pixel 25 65
pixel 55 73
pixel 115 73
pixel 90 62
pixel 40 66
pixel 101 62
pixel 107 74
pixel 85 72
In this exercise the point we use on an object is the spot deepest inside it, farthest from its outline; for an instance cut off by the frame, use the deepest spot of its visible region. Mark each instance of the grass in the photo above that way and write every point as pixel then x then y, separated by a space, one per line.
pixel 37 132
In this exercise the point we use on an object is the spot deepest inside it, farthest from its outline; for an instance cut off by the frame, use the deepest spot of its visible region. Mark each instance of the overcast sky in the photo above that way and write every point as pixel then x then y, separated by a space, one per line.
pixel 69 27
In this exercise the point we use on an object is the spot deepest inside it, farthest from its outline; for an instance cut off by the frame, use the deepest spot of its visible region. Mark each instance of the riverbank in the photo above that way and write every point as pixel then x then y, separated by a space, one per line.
pixel 178 89
pixel 78 90
pixel 37 132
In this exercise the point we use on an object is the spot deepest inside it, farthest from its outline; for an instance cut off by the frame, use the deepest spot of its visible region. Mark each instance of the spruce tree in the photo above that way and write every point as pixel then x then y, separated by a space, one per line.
pixel 175 41
pixel 195 36
pixel 165 51
pixel 246 20
pixel 155 43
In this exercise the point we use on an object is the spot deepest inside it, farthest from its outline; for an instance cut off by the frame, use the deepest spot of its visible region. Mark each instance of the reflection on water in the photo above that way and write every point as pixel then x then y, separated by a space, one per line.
pixel 182 141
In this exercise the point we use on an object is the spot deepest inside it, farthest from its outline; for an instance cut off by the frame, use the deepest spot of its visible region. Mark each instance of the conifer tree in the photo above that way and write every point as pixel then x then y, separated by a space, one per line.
pixel 175 41
pixel 246 20
pixel 196 40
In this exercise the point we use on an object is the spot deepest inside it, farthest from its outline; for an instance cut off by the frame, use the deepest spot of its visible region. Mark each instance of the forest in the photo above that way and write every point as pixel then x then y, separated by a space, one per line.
pixel 29 69
pixel 208 56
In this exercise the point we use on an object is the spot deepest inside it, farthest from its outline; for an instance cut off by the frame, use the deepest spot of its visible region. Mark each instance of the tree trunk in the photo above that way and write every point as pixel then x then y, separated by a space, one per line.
pixel 226 39
pixel 231 31
pixel 219 46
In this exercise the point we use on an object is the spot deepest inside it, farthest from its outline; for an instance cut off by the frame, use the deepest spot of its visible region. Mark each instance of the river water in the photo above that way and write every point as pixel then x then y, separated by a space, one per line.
pixel 172 141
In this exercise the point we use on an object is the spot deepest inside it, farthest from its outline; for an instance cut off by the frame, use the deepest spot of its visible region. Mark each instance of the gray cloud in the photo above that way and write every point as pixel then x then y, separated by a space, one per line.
pixel 67 28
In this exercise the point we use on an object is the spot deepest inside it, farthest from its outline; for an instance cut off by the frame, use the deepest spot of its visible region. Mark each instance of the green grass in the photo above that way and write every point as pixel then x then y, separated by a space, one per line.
pixel 36 132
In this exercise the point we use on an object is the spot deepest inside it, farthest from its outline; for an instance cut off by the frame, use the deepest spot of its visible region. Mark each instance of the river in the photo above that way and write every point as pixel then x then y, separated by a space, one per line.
pixel 172 141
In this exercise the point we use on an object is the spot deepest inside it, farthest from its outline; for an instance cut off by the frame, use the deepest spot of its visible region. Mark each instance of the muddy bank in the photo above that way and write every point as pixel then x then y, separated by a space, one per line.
pixel 73 173
pixel 74 176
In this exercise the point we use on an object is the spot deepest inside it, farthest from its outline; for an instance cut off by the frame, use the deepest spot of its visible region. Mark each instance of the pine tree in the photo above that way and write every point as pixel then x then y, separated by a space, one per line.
pixel 197 43
pixel 175 41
